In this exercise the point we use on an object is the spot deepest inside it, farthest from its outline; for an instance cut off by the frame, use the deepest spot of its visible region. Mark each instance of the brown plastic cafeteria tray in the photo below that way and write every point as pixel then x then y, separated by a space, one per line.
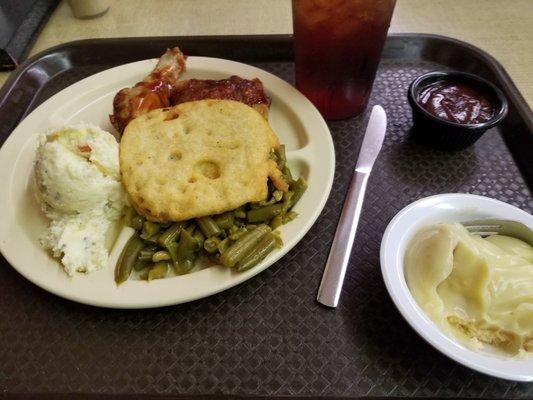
pixel 268 337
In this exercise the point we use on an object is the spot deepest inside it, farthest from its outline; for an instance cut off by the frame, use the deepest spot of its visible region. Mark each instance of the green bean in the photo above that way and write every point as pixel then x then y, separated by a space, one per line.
pixel 208 226
pixel 172 249
pixel 161 255
pixel 265 245
pixel 143 276
pixel 299 187
pixel 239 223
pixel 127 258
pixel 280 154
pixel 239 214
pixel 146 255
pixel 183 258
pixel 133 219
pixel 186 246
pixel 140 265
pixel 238 233
pixel 277 195
pixel 224 221
pixel 289 216
pixel 151 247
pixel 150 229
pixel 190 227
pixel 159 270
pixel 238 250
pixel 170 234
pixel 276 222
pixel 137 222
pixel 183 267
pixel 287 196
pixel 265 213
pixel 263 203
pixel 287 175
pixel 199 236
pixel 211 244
pixel 224 245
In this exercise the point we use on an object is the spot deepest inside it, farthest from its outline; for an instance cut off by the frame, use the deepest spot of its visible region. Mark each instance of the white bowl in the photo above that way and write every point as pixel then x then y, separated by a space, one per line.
pixel 430 210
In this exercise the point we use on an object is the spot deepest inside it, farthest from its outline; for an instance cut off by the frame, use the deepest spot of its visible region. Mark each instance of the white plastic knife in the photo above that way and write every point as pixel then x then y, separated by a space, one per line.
pixel 339 255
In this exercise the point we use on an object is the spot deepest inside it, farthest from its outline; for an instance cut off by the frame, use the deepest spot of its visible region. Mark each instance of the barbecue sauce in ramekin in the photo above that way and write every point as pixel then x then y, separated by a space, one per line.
pixel 453 109
pixel 456 102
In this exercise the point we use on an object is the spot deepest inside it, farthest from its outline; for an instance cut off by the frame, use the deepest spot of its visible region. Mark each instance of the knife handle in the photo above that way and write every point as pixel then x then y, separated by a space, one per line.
pixel 339 254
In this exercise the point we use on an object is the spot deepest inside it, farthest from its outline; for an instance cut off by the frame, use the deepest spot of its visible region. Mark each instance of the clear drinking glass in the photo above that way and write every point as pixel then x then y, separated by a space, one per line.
pixel 337 48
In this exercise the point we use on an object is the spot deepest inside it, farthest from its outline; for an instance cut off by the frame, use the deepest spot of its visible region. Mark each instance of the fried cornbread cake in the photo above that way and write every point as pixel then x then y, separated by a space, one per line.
pixel 198 158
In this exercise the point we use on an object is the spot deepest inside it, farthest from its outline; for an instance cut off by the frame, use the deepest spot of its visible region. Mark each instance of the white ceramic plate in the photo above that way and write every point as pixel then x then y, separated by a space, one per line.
pixel 298 124
pixel 431 210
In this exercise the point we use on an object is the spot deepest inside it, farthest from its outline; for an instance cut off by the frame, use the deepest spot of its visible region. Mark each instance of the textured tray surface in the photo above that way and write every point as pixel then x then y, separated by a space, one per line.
pixel 268 336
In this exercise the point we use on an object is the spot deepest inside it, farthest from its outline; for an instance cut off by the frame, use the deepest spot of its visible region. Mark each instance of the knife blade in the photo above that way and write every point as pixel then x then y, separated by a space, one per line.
pixel 339 254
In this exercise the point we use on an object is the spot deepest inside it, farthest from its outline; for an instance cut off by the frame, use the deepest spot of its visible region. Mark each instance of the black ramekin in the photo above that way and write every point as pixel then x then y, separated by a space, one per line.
pixel 441 134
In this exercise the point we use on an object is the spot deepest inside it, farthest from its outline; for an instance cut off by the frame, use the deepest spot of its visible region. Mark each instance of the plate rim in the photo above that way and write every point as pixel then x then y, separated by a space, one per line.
pixel 242 69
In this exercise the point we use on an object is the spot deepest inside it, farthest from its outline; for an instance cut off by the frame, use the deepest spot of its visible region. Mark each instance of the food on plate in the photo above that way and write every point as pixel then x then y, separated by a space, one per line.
pixel 247 91
pixel 207 178
pixel 151 93
pixel 238 239
pixel 78 185
pixel 204 173
pixel 456 102
pixel 162 88
pixel 199 158
pixel 478 289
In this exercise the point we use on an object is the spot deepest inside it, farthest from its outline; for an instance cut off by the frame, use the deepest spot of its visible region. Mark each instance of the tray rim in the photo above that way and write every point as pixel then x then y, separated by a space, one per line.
pixel 508 85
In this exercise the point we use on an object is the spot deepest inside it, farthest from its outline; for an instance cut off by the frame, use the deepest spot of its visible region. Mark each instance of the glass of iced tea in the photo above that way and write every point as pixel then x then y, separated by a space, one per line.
pixel 337 48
